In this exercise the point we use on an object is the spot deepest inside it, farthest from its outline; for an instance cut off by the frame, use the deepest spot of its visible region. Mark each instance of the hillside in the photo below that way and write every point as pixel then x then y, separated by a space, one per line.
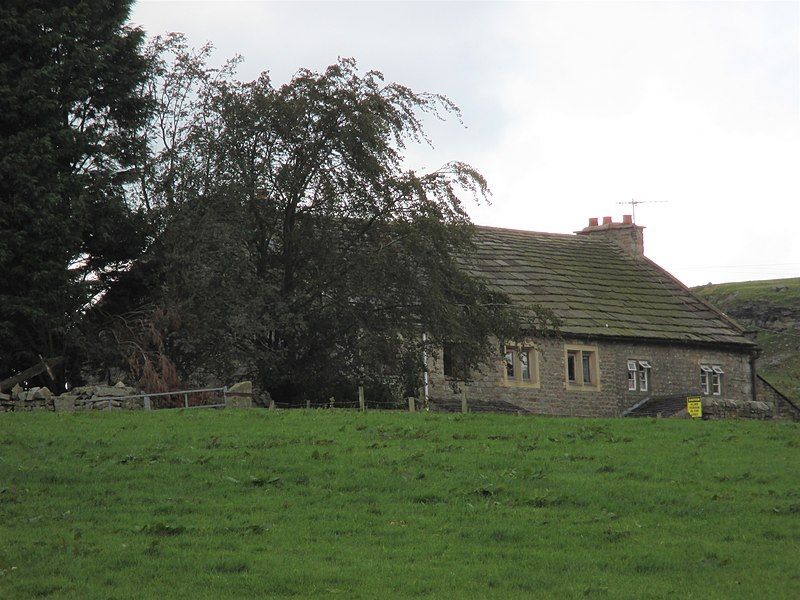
pixel 772 308
pixel 333 503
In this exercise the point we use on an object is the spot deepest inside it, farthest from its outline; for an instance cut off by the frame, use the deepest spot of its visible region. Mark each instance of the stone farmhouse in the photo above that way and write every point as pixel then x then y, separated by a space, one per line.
pixel 633 339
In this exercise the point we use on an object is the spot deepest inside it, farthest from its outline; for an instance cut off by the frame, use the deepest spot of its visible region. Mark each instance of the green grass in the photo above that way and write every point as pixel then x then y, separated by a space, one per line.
pixel 780 292
pixel 244 504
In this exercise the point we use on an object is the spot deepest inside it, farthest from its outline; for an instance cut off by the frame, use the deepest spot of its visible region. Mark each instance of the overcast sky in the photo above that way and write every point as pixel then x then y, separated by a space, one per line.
pixel 692 108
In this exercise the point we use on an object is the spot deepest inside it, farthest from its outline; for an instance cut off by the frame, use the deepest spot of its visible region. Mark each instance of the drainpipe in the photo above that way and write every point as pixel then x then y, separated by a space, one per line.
pixel 754 354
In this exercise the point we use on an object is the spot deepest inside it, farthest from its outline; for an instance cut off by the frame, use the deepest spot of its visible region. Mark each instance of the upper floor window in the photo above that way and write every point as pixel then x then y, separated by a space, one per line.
pixel 582 367
pixel 638 375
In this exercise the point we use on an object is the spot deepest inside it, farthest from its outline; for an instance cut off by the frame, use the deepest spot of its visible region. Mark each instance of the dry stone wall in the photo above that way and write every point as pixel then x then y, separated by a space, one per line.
pixel 105 397
pixel 722 408
pixel 79 398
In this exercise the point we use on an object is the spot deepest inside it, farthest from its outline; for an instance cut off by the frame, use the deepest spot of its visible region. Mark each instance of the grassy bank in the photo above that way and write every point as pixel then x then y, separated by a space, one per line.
pixel 239 504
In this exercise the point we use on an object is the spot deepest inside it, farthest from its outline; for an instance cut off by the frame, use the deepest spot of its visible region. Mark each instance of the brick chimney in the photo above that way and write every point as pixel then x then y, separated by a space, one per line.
pixel 627 234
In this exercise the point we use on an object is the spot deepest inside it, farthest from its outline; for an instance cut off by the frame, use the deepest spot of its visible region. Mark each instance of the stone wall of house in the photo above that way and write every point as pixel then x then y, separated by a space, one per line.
pixel 674 371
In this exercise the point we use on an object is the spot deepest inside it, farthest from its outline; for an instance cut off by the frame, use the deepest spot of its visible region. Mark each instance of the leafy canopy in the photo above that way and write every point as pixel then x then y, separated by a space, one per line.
pixel 294 244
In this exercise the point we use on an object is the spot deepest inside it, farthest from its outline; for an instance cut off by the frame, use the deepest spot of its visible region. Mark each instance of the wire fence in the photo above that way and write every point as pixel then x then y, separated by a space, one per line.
pixel 460 404
pixel 433 406
pixel 220 397
pixel 186 399
pixel 342 404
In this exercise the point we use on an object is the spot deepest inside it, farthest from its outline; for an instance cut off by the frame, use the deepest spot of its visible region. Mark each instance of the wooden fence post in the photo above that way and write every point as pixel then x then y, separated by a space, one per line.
pixel 308 403
pixel 411 403
pixel 361 404
pixel 186 400
pixel 464 399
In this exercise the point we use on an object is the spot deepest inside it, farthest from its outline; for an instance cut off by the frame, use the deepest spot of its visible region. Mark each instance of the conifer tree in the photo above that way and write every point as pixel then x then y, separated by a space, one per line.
pixel 71 82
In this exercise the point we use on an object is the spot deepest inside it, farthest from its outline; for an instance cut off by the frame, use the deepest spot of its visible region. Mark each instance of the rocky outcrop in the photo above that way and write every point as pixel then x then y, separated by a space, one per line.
pixel 766 316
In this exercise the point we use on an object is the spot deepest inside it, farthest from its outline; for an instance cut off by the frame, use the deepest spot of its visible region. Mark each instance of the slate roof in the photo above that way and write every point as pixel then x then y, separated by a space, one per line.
pixel 596 289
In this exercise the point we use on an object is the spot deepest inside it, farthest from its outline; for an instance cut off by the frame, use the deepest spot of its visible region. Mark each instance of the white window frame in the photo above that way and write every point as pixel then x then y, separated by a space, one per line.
pixel 716 380
pixel 639 375
pixel 633 371
pixel 644 376
pixel 705 383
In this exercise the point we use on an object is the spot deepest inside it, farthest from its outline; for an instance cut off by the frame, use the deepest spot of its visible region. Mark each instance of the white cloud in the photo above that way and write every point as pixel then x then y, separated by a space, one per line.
pixel 573 107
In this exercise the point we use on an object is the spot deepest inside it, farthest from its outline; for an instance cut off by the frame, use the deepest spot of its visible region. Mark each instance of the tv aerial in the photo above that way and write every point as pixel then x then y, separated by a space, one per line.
pixel 634 203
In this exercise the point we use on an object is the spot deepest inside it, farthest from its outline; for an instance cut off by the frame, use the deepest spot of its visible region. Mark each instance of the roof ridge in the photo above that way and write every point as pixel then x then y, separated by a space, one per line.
pixel 570 236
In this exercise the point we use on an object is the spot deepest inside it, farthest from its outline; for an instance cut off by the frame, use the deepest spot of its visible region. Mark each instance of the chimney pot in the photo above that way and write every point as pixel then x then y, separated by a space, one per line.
pixel 627 235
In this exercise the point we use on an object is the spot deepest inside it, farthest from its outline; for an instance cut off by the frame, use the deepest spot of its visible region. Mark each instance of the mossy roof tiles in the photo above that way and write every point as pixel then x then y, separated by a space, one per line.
pixel 595 288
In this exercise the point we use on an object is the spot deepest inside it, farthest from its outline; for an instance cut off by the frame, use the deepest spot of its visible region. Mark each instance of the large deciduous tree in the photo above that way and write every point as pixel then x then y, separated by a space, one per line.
pixel 296 246
pixel 71 96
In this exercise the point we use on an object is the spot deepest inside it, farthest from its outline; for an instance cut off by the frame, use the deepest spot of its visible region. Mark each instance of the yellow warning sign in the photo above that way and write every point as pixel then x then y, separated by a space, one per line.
pixel 694 405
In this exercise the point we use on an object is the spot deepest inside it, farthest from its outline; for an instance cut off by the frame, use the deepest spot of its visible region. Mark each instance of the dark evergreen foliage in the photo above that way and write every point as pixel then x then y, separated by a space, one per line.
pixel 70 98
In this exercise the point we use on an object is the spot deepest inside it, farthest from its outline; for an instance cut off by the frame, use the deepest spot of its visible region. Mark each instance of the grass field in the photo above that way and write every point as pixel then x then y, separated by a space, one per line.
pixel 242 504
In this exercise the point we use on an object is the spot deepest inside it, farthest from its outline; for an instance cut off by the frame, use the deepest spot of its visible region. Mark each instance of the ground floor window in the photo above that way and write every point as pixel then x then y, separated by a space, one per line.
pixel 582 367
pixel 711 379
pixel 453 362
pixel 520 365
pixel 716 380
pixel 638 375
